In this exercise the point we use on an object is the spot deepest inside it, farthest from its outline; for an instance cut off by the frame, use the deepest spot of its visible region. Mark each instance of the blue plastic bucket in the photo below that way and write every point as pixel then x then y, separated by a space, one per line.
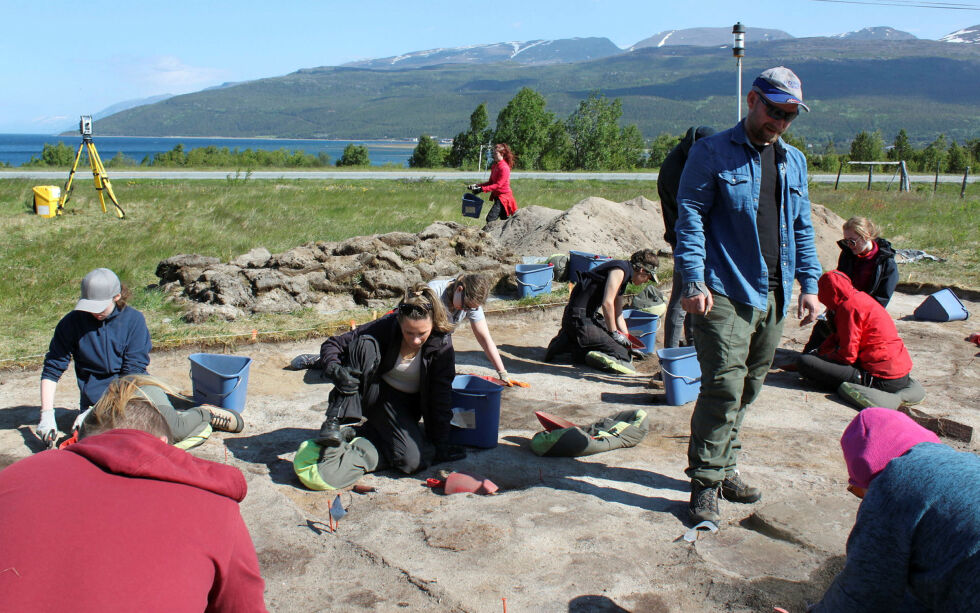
pixel 944 305
pixel 682 374
pixel 220 379
pixel 476 405
pixel 582 261
pixel 643 326
pixel 534 279
pixel 472 205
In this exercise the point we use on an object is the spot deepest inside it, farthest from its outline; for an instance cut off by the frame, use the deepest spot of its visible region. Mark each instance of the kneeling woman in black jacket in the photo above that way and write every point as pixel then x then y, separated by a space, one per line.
pixel 390 373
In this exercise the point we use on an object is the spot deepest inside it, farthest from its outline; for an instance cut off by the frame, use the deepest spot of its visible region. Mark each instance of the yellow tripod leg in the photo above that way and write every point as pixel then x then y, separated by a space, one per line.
pixel 66 192
pixel 102 181
pixel 93 162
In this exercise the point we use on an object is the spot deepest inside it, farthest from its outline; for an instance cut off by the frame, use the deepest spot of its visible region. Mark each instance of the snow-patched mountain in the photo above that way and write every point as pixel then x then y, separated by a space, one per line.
pixel 969 35
pixel 708 37
pixel 528 52
pixel 876 33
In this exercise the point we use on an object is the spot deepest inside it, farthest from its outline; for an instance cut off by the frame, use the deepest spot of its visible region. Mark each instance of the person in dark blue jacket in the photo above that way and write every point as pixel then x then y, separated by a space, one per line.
pixel 915 545
pixel 677 326
pixel 105 337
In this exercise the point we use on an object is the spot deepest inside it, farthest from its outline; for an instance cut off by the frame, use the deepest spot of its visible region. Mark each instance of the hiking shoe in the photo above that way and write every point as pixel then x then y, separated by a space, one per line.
pixel 225 420
pixel 853 393
pixel 606 362
pixel 735 490
pixel 330 434
pixel 304 361
pixel 704 503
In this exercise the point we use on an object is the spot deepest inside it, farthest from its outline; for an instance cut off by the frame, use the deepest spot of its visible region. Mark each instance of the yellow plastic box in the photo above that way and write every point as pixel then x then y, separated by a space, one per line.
pixel 46 200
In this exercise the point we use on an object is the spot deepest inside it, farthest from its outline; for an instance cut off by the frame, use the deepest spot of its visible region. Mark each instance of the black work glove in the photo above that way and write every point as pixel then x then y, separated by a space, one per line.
pixel 342 378
pixel 448 452
pixel 476 189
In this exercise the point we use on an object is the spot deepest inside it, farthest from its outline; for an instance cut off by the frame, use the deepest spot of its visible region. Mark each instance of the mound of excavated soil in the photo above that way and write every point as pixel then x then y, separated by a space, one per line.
pixel 597 225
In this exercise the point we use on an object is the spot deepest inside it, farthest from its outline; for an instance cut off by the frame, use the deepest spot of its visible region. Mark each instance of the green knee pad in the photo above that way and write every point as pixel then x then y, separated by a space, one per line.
pixel 332 468
pixel 195 438
pixel 863 397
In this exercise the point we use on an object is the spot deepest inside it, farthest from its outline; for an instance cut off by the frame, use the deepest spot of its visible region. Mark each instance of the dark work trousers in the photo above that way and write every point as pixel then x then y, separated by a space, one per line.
pixel 394 429
pixel 581 331
pixel 362 358
pixel 822 330
pixel 496 211
pixel 677 326
pixel 736 344
pixel 829 375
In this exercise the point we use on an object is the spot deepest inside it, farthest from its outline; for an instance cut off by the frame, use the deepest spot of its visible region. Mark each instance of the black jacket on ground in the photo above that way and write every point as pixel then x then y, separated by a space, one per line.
pixel 438 368
pixel 885 276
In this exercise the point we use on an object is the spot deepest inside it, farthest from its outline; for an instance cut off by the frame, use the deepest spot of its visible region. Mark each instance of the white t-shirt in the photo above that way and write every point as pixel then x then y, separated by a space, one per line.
pixel 441 288
pixel 406 374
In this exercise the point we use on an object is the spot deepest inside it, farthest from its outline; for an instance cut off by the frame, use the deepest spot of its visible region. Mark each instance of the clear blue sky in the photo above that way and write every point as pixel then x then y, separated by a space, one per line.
pixel 64 59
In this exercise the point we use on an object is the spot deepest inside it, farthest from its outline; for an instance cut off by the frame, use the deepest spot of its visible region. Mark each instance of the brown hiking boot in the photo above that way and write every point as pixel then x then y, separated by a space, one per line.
pixel 704 502
pixel 225 420
pixel 735 490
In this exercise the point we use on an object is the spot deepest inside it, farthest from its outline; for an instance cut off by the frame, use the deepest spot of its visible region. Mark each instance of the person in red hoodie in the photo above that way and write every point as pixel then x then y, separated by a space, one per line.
pixel 864 346
pixel 122 521
pixel 504 204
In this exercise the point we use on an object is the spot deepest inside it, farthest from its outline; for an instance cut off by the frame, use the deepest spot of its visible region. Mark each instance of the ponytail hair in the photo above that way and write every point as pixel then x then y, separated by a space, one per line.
pixel 476 287
pixel 124 405
pixel 420 303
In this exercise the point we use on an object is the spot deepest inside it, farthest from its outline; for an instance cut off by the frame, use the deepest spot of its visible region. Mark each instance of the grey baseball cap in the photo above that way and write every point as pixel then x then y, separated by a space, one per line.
pixel 780 85
pixel 99 287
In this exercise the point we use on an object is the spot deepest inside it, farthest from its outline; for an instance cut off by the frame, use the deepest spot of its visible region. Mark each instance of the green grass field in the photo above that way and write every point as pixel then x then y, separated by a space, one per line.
pixel 44 259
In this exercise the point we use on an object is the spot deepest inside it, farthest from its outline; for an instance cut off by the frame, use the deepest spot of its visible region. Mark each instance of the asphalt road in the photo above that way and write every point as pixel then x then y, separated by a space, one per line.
pixel 464 177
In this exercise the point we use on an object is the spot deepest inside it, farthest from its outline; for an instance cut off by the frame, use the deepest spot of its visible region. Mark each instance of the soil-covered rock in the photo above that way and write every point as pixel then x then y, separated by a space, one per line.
pixel 371 270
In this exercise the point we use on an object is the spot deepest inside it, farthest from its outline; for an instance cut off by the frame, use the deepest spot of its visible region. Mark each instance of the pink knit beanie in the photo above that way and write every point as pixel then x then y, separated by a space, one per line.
pixel 874 438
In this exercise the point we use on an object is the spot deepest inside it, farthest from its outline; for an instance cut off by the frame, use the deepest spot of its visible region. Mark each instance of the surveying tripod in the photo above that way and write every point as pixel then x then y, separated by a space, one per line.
pixel 102 183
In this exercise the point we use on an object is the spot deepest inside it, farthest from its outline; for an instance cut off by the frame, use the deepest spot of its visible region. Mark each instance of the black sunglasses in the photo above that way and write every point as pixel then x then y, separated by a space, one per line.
pixel 410 310
pixel 777 113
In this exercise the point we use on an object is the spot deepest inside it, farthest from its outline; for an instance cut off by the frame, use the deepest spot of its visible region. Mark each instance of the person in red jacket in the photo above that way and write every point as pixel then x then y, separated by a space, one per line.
pixel 122 521
pixel 864 346
pixel 504 204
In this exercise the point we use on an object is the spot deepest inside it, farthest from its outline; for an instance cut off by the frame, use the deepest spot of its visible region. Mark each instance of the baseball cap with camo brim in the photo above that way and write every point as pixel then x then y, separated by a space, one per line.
pixel 780 85
pixel 99 287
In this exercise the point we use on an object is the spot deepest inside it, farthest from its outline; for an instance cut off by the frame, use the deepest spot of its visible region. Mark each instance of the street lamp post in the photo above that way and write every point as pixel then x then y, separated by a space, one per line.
pixel 738 50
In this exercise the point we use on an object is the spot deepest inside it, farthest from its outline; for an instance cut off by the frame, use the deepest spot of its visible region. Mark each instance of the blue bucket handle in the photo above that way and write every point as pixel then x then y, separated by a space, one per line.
pixel 642 334
pixel 688 379
pixel 470 394
pixel 238 382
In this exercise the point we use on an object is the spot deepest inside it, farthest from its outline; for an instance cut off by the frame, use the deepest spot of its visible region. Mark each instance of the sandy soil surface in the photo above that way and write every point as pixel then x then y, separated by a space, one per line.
pixel 601 533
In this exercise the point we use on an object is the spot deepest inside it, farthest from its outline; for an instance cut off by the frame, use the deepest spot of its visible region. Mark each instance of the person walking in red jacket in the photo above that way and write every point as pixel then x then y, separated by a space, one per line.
pixel 864 346
pixel 504 204
pixel 122 521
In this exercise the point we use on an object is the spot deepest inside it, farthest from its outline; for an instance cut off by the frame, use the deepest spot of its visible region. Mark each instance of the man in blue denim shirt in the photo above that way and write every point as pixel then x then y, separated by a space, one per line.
pixel 743 234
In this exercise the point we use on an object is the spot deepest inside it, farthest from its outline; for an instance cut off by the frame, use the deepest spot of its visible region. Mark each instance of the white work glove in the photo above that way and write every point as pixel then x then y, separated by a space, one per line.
pixel 504 376
pixel 47 429
pixel 81 418
pixel 620 338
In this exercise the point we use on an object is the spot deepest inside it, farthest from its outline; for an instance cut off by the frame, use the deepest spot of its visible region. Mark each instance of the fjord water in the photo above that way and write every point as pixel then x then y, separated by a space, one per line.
pixel 15 149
